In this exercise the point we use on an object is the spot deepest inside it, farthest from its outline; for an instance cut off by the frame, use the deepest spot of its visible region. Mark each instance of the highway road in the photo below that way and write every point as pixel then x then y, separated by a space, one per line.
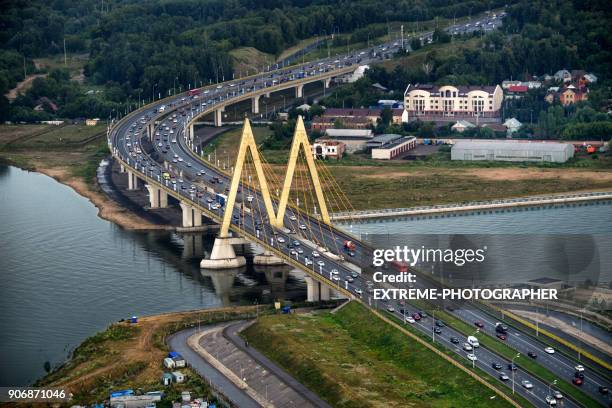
pixel 308 233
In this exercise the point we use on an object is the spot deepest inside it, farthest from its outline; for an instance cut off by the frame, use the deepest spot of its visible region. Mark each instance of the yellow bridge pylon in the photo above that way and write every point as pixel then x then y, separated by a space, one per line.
pixel 247 143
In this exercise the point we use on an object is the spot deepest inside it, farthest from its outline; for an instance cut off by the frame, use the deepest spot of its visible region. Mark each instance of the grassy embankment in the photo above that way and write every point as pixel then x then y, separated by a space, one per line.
pixel 437 180
pixel 352 358
pixel 74 149
pixel 130 356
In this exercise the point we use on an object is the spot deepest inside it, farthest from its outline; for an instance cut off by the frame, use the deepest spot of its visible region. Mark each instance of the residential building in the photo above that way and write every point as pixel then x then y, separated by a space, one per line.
pixel 329 122
pixel 462 125
pixel 571 95
pixel 512 150
pixel 370 114
pixel 563 75
pixel 448 103
pixel 91 122
pixel 395 148
pixel 327 148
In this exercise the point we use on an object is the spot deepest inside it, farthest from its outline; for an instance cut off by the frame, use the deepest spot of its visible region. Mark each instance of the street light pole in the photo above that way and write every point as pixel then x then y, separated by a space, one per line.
pixel 517 356
pixel 550 385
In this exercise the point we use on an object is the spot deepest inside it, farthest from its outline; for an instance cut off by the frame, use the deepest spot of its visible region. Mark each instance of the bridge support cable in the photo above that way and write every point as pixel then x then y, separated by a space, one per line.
pixel 320 234
pixel 326 173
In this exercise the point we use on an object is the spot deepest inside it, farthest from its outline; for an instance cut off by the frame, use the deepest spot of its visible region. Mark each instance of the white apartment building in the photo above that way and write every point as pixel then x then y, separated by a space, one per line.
pixel 431 102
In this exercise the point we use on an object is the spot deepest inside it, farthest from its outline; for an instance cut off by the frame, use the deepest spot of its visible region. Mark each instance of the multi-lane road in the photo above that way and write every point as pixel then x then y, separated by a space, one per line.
pixel 305 236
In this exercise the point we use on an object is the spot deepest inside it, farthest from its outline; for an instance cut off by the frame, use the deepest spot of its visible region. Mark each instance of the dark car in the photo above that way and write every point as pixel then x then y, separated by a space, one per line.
pixel 579 374
pixel 501 336
pixel 437 330
pixel 496 365
pixel 532 354
pixel 603 390
pixel 416 316
pixel 577 381
pixel 479 324
pixel 454 340
pixel 512 367
pixel 439 323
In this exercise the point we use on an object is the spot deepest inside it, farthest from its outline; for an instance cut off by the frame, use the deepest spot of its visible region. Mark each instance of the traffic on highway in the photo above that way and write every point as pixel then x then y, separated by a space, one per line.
pixel 307 242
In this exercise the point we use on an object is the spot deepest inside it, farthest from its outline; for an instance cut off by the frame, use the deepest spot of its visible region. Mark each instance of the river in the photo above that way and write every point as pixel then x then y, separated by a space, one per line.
pixel 67 273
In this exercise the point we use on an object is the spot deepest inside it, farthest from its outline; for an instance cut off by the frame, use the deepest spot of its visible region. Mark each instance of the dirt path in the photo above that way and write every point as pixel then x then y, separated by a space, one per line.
pixel 23 86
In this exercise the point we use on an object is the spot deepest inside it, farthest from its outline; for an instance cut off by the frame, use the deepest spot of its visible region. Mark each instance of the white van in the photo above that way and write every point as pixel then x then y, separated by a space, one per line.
pixel 473 341
pixel 162 108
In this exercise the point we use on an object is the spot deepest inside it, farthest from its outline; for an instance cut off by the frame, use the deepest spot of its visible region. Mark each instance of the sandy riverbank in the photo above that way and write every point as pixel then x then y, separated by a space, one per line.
pixel 107 208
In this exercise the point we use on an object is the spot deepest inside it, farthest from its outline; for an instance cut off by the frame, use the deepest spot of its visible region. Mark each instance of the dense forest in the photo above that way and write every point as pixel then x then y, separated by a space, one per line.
pixel 140 48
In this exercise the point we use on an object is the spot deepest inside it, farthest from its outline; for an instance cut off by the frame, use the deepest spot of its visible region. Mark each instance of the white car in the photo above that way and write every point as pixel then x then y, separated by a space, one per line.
pixel 302 227
pixel 527 384
pixel 472 357
pixel 335 278
pixel 550 400
pixel 467 347
pixel 315 254
pixel 334 271
pixel 358 291
pixel 410 319
pixel 307 262
pixel 293 218
pixel 579 368
pixel 321 263
pixel 391 309
pixel 293 252
pixel 280 239
pixel 549 350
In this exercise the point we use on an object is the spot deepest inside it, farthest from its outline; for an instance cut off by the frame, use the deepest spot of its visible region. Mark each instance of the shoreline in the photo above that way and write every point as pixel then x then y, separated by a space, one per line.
pixel 108 209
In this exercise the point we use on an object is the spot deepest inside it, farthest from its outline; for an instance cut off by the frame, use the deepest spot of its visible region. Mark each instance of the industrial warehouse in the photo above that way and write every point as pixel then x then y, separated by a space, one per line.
pixel 512 150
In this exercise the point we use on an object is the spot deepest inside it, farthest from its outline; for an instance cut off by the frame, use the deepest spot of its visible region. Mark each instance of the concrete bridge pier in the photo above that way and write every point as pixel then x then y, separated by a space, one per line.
pixel 132 180
pixel 267 258
pixel 158 198
pixel 316 291
pixel 299 91
pixel 151 131
pixel 191 133
pixel 218 117
pixel 223 255
pixel 121 168
pixel 255 104
pixel 192 246
pixel 327 82
pixel 192 217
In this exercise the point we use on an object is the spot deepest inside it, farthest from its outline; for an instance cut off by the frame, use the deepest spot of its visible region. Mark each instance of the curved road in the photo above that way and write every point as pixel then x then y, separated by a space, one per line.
pixel 173 147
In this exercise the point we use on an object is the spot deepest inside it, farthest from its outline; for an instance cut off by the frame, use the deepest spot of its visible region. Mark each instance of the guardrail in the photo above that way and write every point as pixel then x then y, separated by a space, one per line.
pixel 475 205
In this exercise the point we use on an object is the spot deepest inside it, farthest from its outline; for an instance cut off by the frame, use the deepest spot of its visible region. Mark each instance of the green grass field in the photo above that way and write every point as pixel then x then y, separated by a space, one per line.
pixel 354 359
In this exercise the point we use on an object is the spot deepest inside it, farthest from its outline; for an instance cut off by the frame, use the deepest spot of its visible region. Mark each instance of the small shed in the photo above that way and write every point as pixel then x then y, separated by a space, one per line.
pixel 166 378
pixel 186 396
pixel 169 363
pixel 462 125
pixel 178 377
pixel 179 361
